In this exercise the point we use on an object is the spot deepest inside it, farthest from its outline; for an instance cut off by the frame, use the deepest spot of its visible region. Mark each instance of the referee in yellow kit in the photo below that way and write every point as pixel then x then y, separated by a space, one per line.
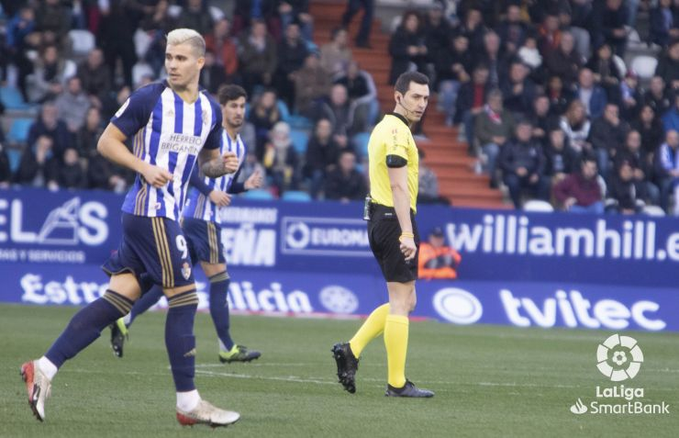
pixel 393 236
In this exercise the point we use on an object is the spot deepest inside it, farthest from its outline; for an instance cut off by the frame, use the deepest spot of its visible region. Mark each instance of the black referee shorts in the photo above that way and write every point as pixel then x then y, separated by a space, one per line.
pixel 383 233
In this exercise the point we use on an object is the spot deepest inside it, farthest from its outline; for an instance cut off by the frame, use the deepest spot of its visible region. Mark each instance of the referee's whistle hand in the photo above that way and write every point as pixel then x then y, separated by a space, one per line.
pixel 408 248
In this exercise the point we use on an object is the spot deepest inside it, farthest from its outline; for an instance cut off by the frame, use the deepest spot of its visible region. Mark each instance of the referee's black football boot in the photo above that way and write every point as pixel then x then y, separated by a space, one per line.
pixel 119 333
pixel 408 390
pixel 347 365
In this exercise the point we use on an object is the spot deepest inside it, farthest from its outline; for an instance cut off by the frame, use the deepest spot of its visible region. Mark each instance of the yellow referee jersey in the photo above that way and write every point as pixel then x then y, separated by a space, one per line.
pixel 391 136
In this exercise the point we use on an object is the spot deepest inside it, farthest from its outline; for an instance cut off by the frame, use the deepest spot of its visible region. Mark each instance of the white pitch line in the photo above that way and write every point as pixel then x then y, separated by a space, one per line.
pixel 254 365
pixel 281 379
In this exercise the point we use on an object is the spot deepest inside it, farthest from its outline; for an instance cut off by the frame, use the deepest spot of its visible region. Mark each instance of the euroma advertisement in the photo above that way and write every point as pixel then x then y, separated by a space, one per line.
pixel 521 304
pixel 543 270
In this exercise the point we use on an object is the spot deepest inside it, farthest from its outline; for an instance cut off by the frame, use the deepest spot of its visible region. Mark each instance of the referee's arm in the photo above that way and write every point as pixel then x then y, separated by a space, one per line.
pixel 398 179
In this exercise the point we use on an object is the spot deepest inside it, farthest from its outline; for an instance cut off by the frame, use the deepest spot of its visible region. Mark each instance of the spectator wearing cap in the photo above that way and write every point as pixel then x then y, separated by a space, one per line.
pixel 667 170
pixel 436 260
pixel 523 164
pixel 580 191
pixel 518 90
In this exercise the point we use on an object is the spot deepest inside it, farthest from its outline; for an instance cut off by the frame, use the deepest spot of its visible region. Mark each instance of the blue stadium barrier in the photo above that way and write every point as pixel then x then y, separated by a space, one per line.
pixel 518 268
pixel 361 143
pixel 12 99
pixel 260 195
pixel 14 156
pixel 296 196
pixel 283 110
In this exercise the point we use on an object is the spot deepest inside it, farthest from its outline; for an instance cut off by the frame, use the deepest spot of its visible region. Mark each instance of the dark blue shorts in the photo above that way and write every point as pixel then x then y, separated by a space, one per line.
pixel 154 246
pixel 205 240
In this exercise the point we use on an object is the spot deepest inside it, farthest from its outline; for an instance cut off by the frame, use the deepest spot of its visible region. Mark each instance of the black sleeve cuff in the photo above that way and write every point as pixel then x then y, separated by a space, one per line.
pixel 395 161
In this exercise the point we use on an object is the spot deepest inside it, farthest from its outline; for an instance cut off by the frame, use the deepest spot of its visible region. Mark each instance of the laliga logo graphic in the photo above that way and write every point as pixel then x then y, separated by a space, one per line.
pixel 457 306
pixel 338 299
pixel 619 358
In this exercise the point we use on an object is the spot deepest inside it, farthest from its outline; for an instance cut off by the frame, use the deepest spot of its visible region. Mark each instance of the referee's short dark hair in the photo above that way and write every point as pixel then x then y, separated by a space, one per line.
pixel 403 81
pixel 229 92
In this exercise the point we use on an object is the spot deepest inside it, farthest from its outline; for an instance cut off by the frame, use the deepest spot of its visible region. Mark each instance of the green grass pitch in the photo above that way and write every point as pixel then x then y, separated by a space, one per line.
pixel 489 381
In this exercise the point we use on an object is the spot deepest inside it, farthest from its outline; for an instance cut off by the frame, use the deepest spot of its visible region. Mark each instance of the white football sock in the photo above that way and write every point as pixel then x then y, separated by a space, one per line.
pixel 47 367
pixel 187 401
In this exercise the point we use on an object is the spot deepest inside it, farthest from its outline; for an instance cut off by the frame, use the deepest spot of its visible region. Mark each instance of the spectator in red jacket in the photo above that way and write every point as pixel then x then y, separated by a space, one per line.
pixel 580 192
pixel 224 48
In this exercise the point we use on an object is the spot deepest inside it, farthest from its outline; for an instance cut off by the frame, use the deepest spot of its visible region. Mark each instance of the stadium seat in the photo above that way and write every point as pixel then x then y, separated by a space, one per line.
pixel 216 13
pixel 361 143
pixel 14 156
pixel 299 122
pixel 259 195
pixel 140 70
pixel 283 110
pixel 296 196
pixel 82 41
pixel 644 66
pixel 18 132
pixel 653 210
pixel 538 206
pixel 299 140
pixel 12 99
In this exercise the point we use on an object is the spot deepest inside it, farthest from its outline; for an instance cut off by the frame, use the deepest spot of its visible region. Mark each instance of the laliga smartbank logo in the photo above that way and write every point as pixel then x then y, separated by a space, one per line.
pixel 619 358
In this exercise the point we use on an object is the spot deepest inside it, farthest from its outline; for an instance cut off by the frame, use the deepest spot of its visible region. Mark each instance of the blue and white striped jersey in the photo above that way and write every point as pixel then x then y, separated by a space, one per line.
pixel 168 133
pixel 198 205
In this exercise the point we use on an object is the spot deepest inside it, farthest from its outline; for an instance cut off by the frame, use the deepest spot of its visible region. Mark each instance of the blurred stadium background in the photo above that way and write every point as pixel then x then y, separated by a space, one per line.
pixel 518 289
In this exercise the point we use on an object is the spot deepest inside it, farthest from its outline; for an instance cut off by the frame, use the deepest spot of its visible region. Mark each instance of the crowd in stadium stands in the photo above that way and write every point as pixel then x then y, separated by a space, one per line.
pixel 538 88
